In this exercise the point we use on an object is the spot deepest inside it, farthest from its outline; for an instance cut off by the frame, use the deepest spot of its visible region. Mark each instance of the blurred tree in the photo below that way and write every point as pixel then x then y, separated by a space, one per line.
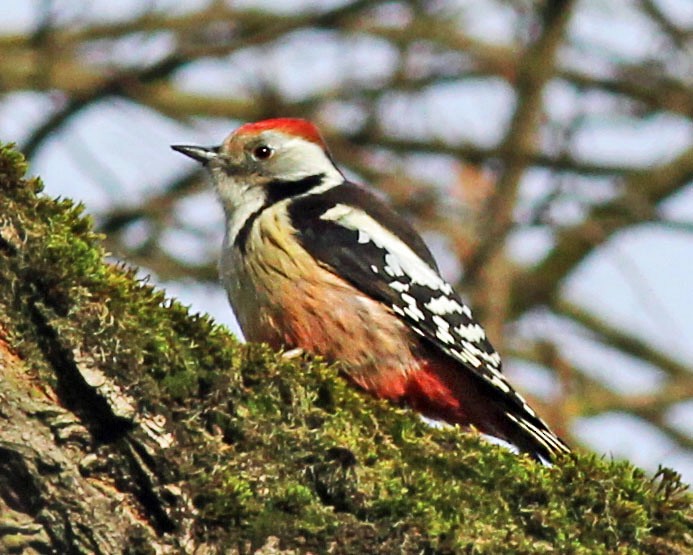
pixel 528 141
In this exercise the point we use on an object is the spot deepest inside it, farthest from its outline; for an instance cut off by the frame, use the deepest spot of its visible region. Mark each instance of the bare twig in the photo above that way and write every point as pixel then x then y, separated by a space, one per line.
pixel 536 69
pixel 643 190
pixel 623 341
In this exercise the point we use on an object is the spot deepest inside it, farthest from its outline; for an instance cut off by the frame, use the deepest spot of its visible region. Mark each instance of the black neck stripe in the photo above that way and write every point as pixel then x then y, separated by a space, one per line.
pixel 277 191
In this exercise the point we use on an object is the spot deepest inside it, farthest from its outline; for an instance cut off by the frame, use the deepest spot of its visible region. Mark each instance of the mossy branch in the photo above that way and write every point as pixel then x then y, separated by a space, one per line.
pixel 128 424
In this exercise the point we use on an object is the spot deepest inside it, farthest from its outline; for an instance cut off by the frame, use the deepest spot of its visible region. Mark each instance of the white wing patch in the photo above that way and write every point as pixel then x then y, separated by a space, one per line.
pixel 443 331
pixel 363 237
pixel 412 310
pixel 392 266
pixel 399 258
pixel 396 285
pixel 446 305
pixel 470 332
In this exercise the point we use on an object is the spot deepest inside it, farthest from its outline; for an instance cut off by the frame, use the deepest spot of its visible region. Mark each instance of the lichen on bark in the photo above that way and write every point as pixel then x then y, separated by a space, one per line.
pixel 128 424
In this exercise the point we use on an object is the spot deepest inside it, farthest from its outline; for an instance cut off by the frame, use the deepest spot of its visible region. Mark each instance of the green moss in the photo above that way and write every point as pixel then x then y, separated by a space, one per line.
pixel 271 447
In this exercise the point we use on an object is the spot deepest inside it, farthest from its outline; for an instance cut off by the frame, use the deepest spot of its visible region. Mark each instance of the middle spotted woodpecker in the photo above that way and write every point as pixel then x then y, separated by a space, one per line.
pixel 315 262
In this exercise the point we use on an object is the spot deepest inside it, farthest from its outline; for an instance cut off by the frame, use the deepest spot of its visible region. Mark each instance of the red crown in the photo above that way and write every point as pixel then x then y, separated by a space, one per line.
pixel 291 126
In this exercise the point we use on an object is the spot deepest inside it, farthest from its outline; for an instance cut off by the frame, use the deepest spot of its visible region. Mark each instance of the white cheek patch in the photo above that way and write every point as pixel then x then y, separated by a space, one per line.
pixel 300 158
pixel 240 202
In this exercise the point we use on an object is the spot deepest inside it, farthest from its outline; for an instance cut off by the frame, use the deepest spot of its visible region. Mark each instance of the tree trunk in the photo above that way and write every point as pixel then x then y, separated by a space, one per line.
pixel 128 425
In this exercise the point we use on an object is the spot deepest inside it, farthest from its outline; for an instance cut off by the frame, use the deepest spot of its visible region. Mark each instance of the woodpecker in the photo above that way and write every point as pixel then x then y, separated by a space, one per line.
pixel 312 261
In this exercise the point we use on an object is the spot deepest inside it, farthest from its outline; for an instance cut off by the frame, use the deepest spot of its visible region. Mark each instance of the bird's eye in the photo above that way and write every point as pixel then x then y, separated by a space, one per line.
pixel 262 152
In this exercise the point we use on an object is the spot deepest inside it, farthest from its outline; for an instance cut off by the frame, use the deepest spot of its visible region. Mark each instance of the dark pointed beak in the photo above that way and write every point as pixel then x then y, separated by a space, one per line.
pixel 202 154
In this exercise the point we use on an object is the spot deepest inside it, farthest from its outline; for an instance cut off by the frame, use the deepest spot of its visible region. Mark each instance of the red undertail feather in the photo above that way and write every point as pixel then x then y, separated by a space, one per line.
pixel 439 390
pixel 433 390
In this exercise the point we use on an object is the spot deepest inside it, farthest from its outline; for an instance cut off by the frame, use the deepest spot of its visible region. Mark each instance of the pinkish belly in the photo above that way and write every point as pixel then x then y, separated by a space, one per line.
pixel 341 325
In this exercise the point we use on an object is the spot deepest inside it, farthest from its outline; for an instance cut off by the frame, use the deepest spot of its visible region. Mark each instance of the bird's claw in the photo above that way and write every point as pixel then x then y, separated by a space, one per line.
pixel 292 353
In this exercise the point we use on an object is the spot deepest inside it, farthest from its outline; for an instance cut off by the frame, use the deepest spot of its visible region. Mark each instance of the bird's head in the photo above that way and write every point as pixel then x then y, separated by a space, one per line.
pixel 267 161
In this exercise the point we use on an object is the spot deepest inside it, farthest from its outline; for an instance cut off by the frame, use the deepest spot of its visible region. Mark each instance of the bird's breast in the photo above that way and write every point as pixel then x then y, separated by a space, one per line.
pixel 283 297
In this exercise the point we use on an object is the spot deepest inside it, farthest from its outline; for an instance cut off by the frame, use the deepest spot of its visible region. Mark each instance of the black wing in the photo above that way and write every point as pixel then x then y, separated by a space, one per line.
pixel 334 227
pixel 343 229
